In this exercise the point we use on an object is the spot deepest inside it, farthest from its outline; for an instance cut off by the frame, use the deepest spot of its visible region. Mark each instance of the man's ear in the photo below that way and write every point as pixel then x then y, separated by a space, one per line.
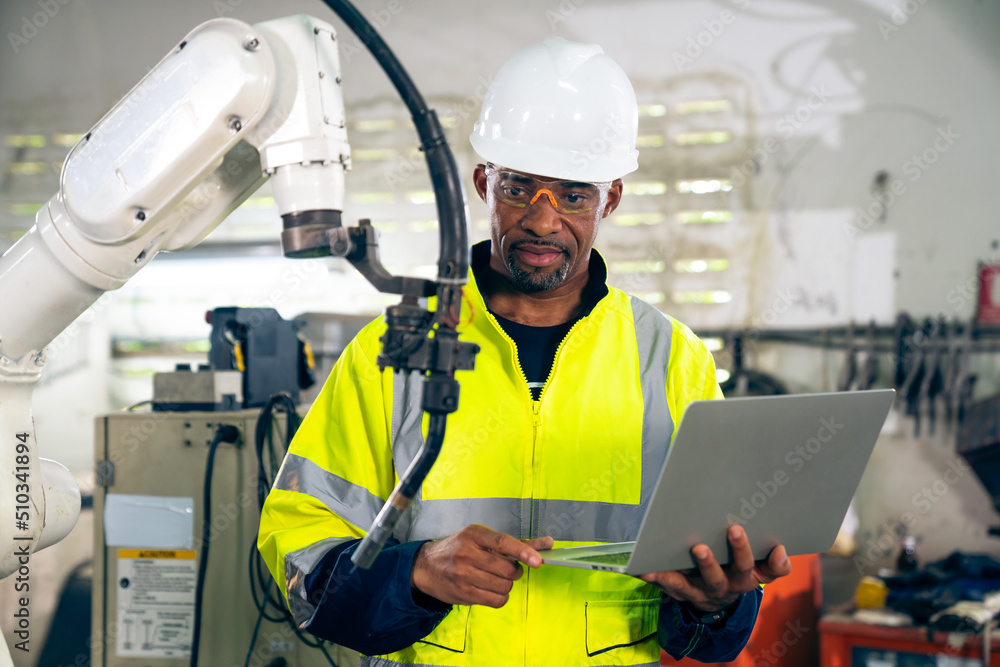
pixel 479 178
pixel 614 197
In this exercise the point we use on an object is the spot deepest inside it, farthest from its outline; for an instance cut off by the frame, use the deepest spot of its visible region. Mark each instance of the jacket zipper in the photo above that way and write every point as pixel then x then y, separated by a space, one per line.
pixel 536 420
pixel 527 389
pixel 537 414
pixel 534 434
pixel 536 406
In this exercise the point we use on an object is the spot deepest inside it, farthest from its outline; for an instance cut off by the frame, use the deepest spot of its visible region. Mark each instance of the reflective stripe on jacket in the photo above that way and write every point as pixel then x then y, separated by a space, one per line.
pixel 579 464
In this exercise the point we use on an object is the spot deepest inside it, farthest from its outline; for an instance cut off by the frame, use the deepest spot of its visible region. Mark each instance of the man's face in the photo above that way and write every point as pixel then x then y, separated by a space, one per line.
pixel 542 229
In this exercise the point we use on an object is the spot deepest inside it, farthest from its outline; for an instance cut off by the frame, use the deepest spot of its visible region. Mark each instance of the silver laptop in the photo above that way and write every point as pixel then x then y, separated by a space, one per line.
pixel 783 467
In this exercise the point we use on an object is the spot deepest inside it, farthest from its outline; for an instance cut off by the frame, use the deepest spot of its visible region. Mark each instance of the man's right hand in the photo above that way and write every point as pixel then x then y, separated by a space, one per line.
pixel 474 566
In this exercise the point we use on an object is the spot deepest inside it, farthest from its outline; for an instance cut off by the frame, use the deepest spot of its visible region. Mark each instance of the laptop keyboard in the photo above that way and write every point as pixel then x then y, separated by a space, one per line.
pixel 620 558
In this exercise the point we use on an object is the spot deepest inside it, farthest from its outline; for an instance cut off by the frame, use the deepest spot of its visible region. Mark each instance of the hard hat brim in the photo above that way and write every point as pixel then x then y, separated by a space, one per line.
pixel 581 165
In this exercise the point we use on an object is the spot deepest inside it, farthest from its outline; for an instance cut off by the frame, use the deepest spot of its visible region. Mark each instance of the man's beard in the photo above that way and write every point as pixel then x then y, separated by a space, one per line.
pixel 537 279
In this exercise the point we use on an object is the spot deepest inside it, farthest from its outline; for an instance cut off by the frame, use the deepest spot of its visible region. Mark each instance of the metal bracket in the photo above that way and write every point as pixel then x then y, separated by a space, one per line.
pixel 105 471
pixel 26 369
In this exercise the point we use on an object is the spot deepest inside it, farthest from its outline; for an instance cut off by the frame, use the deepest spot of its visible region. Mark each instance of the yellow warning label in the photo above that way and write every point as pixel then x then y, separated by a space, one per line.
pixel 155 609
pixel 156 553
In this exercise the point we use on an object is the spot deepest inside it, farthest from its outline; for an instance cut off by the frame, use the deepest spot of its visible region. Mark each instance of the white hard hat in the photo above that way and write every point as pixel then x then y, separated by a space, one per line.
pixel 560 109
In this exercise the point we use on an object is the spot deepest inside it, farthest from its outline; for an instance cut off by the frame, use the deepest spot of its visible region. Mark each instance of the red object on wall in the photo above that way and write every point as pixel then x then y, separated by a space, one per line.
pixel 785 634
pixel 988 309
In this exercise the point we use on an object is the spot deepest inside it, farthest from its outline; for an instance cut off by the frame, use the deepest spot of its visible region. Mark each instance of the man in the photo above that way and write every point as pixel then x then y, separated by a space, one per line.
pixel 558 438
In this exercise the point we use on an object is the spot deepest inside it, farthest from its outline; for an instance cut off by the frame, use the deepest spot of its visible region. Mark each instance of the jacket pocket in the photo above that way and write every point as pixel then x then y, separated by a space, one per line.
pixel 450 634
pixel 613 624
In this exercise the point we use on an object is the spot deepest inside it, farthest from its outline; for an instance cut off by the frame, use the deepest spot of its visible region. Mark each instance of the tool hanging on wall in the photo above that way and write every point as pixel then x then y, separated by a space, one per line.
pixel 931 383
pixel 950 371
pixel 850 370
pixel 911 360
pixel 904 329
pixel 855 376
pixel 964 380
pixel 737 383
pixel 869 367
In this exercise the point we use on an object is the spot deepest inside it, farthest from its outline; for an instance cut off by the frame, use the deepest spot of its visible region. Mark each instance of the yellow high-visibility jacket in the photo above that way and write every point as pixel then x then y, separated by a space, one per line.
pixel 579 465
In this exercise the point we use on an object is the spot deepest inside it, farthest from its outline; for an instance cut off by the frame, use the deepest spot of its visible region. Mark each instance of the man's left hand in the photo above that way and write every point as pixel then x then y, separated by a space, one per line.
pixel 714 588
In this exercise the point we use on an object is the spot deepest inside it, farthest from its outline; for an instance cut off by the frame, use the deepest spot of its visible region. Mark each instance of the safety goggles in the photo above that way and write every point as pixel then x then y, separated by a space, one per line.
pixel 520 190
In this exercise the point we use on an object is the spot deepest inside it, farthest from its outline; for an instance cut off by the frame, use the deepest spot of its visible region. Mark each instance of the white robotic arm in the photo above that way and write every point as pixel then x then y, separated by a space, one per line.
pixel 230 106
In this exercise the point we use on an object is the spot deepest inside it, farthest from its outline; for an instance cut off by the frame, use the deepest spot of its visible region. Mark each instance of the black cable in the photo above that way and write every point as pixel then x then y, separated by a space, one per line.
pixel 267 464
pixel 453 262
pixel 421 466
pixel 224 433
pixel 305 639
pixel 263 432
pixel 262 435
pixel 263 578
pixel 329 658
pixel 260 603
pixel 256 631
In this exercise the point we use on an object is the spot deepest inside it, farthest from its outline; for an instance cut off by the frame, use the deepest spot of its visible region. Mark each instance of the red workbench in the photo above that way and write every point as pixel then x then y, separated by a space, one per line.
pixel 838 635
